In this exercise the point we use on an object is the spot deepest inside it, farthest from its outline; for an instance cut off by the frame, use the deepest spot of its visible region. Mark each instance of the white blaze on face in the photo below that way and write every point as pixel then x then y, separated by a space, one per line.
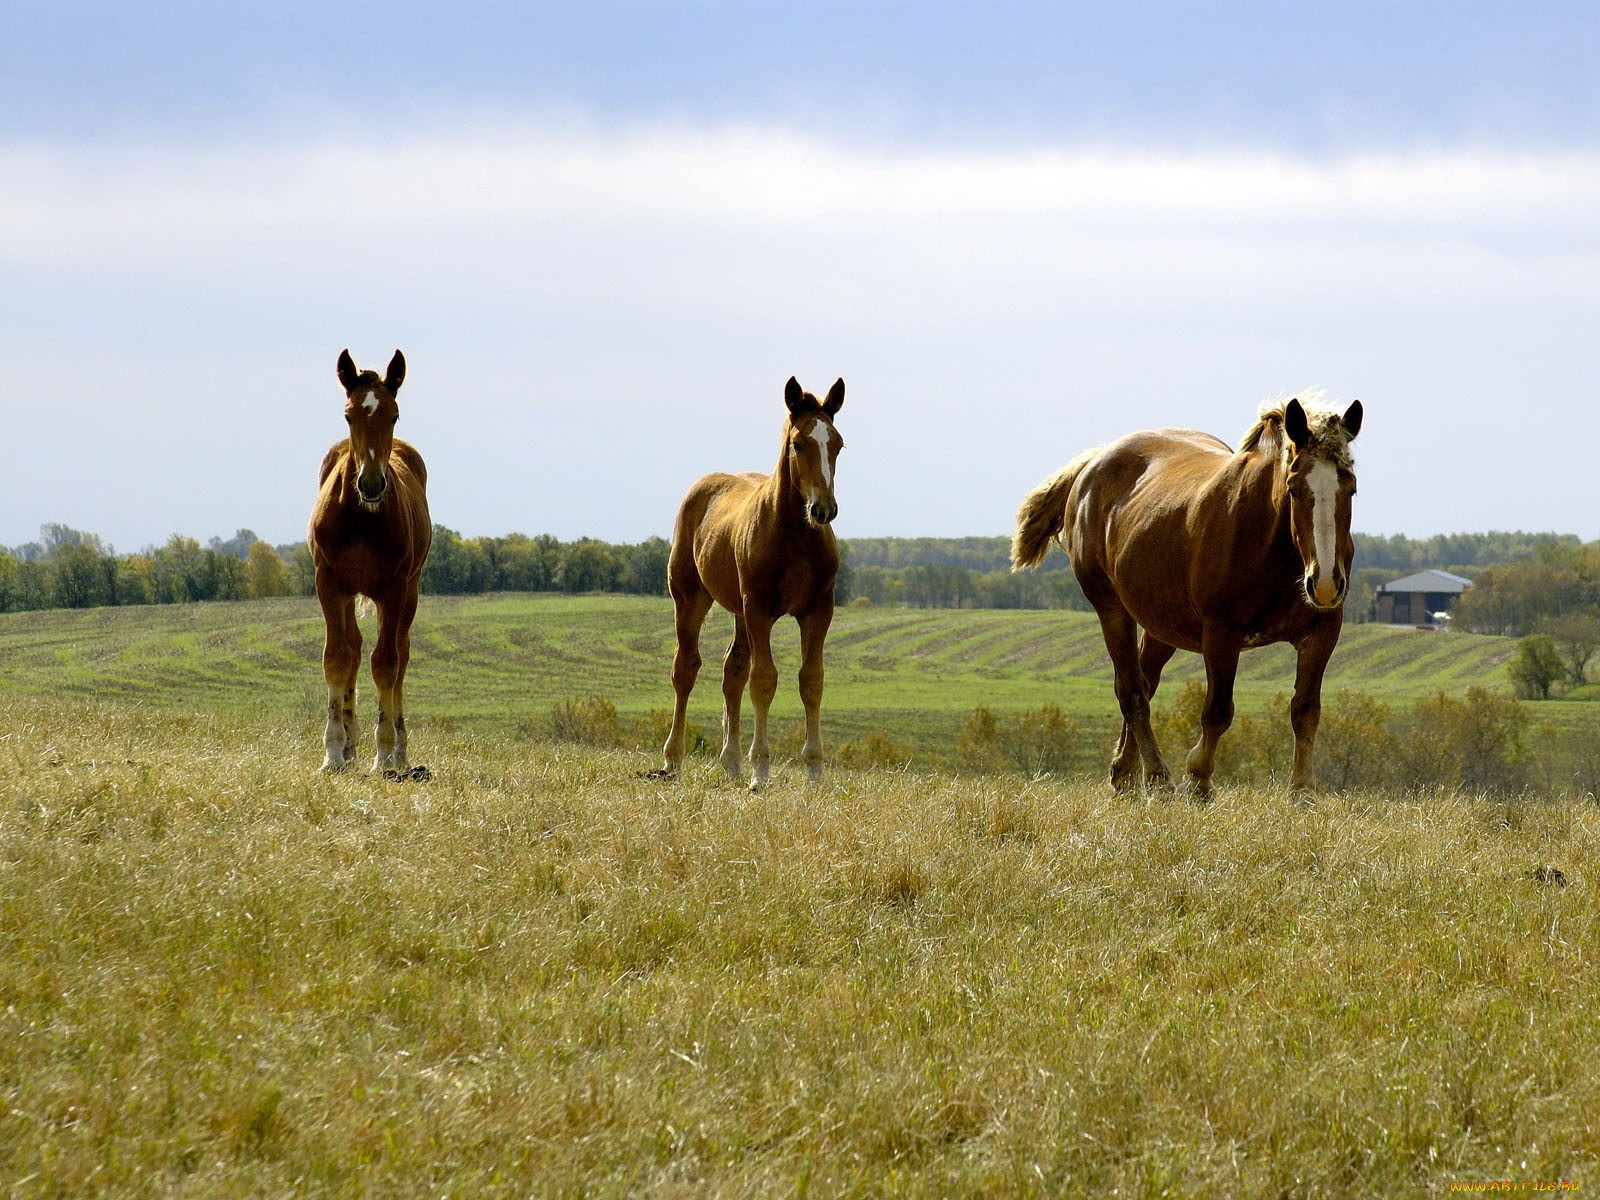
pixel 1323 479
pixel 819 434
pixel 370 403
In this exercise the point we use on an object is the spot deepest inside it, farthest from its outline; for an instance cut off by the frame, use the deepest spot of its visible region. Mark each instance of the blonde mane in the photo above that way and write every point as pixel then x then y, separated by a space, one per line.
pixel 1329 437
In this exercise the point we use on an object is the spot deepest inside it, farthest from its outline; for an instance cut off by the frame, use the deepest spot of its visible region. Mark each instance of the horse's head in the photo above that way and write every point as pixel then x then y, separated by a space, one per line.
pixel 1321 481
pixel 811 447
pixel 370 411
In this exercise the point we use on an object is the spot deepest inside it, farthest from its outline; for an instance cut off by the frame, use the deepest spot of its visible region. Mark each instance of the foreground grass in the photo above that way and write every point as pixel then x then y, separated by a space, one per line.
pixel 223 973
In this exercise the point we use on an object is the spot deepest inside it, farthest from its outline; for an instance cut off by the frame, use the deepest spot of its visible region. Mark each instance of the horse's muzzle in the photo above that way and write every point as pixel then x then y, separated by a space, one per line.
pixel 371 497
pixel 820 512
pixel 1341 587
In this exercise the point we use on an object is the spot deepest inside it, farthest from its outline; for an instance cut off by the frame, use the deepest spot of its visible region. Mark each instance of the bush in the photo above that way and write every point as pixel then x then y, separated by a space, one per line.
pixel 1536 667
pixel 978 744
pixel 588 720
pixel 1356 748
pixel 1476 744
pixel 1036 742
pixel 876 750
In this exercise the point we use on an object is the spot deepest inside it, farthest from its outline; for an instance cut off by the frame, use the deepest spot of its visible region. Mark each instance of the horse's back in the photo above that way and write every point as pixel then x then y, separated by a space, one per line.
pixel 704 533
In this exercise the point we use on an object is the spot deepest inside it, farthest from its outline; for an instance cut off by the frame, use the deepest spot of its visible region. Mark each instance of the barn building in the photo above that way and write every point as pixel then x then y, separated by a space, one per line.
pixel 1414 599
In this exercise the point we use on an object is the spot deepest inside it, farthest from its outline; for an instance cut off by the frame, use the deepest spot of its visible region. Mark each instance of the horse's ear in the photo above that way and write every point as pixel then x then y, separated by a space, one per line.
pixel 1295 424
pixel 1352 418
pixel 794 396
pixel 396 374
pixel 835 400
pixel 347 371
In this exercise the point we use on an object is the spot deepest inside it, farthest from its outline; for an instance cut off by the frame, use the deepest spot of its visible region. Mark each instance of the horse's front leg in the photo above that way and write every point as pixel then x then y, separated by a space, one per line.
pixel 389 658
pixel 735 674
pixel 1305 710
pixel 341 658
pixel 1220 645
pixel 813 630
pixel 763 687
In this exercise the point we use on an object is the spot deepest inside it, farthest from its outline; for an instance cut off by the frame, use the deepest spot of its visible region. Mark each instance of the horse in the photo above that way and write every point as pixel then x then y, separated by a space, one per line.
pixel 1209 550
pixel 370 534
pixel 762 547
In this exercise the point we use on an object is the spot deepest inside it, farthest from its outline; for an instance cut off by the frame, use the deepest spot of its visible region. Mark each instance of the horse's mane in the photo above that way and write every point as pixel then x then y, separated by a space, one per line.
pixel 1329 437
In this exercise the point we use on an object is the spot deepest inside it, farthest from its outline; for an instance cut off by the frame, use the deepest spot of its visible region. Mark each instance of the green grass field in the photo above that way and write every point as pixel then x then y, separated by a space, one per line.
pixel 499 662
pixel 225 973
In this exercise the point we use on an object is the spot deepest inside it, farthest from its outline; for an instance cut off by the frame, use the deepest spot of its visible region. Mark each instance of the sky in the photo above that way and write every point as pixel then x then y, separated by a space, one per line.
pixel 606 234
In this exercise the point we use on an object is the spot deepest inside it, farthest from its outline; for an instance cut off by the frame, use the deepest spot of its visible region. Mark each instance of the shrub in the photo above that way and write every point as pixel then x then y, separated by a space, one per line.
pixel 876 750
pixel 1476 744
pixel 1356 747
pixel 978 745
pixel 1041 741
pixel 589 720
pixel 1536 667
pixel 1034 742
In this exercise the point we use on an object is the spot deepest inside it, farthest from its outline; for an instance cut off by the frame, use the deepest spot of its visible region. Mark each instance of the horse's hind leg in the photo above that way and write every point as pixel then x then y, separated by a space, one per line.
pixel 389 659
pixel 1153 656
pixel 1133 698
pixel 763 687
pixel 735 674
pixel 813 630
pixel 341 658
pixel 689 613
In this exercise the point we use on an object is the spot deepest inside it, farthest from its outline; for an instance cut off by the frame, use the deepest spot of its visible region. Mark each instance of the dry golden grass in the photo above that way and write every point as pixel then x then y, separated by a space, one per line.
pixel 224 973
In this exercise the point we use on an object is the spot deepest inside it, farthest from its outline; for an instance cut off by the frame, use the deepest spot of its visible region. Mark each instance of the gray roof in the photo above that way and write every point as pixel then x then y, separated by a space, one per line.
pixel 1430 580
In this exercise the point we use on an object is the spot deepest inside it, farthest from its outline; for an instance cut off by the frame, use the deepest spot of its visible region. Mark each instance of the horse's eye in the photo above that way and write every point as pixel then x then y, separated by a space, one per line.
pixel 349 418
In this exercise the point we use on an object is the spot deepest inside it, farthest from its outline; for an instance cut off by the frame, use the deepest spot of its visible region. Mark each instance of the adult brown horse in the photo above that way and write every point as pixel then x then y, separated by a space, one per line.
pixel 760 546
pixel 1208 550
pixel 369 536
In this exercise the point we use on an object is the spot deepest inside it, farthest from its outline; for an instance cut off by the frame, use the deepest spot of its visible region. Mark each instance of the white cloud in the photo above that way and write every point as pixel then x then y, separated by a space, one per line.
pixel 588 282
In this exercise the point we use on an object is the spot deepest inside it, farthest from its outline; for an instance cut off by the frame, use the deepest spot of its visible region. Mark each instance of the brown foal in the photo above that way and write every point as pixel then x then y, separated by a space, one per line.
pixel 369 536
pixel 760 546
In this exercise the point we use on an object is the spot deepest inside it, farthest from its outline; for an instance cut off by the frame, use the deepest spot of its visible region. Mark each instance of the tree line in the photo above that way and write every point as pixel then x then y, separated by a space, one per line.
pixel 1524 581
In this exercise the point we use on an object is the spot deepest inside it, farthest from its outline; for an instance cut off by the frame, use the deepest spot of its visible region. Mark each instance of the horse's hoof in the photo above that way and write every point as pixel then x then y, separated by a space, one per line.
pixel 408 775
pixel 329 767
pixel 659 773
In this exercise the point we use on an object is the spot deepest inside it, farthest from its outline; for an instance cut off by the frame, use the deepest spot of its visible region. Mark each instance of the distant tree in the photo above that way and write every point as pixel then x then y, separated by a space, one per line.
pixel 1577 639
pixel 302 569
pixel 238 545
pixel 80 575
pixel 134 581
pixel 1536 667
pixel 455 567
pixel 587 566
pixel 647 568
pixel 265 573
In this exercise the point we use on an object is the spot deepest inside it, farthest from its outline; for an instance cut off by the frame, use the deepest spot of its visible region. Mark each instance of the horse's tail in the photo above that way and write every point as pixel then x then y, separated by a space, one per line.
pixel 365 605
pixel 1043 514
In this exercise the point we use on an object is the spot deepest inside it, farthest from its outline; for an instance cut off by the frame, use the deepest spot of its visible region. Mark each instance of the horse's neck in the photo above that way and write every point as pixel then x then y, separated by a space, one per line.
pixel 1264 518
pixel 780 498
